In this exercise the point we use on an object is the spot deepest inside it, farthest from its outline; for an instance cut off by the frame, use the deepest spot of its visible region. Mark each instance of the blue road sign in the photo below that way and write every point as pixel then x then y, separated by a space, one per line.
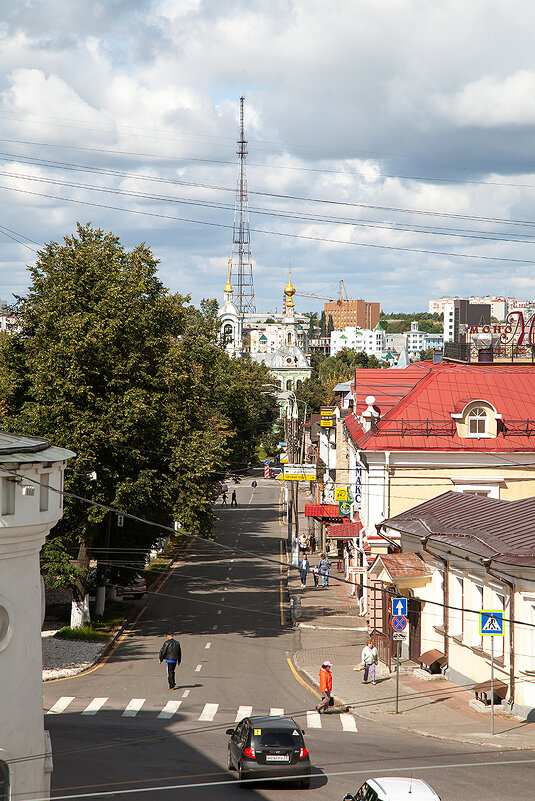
pixel 266 462
pixel 491 623
pixel 399 606
pixel 399 623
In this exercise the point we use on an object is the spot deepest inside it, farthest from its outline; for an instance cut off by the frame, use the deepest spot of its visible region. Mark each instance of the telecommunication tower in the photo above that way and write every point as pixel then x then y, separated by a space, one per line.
pixel 242 265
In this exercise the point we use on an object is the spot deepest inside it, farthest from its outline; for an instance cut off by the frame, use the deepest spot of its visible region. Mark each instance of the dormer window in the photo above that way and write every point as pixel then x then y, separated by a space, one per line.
pixel 477 420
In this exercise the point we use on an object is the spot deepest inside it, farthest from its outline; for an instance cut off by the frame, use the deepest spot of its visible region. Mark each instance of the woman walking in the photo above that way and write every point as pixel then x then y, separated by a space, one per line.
pixel 370 657
pixel 324 567
pixel 304 567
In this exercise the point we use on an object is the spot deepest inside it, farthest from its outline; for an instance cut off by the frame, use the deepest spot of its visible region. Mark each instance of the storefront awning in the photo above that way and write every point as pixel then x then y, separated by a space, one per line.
pixel 344 531
pixel 325 511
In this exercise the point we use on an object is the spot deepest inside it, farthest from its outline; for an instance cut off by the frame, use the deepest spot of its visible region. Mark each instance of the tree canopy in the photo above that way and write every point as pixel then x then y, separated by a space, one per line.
pixel 133 379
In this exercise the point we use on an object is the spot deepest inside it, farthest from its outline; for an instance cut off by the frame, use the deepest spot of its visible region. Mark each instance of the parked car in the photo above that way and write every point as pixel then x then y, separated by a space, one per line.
pixel 275 471
pixel 264 747
pixel 134 589
pixel 394 788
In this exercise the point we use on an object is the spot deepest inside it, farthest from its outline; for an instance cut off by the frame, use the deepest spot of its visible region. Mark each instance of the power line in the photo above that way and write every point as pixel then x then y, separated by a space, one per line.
pixel 310 238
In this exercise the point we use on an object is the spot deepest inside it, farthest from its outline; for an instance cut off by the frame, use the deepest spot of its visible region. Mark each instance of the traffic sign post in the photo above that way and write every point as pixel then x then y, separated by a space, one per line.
pixel 491 625
pixel 399 624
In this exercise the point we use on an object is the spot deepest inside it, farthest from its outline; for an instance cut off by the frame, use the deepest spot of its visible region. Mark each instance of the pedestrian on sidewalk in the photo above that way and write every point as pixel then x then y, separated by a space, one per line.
pixel 312 543
pixel 315 576
pixel 370 657
pixel 303 542
pixel 224 499
pixel 233 501
pixel 324 567
pixel 304 567
pixel 326 687
pixel 170 651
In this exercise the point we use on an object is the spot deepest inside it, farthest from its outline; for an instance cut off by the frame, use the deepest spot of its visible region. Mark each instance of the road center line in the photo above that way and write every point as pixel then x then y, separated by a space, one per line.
pixel 198 668
pixel 208 712
pixel 208 644
pixel 186 693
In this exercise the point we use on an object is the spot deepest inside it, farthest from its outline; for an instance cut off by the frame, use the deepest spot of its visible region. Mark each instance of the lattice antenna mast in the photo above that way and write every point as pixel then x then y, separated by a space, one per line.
pixel 242 265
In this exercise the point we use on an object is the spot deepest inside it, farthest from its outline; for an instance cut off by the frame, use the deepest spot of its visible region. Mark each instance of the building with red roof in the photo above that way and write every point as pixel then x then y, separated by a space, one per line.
pixel 420 431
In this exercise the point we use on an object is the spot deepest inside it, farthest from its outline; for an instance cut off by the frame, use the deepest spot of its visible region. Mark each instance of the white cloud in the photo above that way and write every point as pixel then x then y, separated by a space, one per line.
pixel 492 101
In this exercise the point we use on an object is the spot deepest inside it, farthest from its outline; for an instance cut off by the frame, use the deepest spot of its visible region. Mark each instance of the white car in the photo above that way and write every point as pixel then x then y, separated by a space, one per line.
pixel 394 788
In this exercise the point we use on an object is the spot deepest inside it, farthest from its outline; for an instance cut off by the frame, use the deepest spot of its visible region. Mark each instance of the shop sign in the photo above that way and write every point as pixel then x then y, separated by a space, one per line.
pixel 344 508
pixel 299 472
pixel 358 480
pixel 516 328
pixel 341 494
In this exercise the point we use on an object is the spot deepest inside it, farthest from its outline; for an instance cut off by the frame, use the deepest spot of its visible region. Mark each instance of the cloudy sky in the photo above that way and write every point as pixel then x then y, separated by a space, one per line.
pixel 391 142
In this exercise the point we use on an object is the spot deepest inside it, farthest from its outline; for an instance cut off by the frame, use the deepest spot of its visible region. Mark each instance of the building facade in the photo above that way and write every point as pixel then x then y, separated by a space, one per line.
pixel 31 477
pixel 358 312
pixel 362 340
pixel 475 553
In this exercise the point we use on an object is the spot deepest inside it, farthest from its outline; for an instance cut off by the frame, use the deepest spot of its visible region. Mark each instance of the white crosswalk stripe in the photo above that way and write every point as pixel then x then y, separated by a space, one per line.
pixel 169 709
pixel 208 712
pixel 243 712
pixel 61 705
pixel 348 722
pixel 313 720
pixel 133 707
pixel 345 722
pixel 94 706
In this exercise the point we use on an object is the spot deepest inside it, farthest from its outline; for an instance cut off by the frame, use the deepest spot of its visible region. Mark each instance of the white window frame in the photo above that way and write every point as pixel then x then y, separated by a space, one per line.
pixel 457 616
pixel 472 417
pixel 478 600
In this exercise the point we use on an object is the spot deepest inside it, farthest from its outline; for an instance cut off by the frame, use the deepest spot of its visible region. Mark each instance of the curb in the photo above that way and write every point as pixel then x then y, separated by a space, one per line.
pixel 130 619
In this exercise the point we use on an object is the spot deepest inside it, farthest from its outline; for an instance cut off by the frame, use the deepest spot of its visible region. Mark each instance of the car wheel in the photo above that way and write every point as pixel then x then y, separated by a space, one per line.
pixel 240 774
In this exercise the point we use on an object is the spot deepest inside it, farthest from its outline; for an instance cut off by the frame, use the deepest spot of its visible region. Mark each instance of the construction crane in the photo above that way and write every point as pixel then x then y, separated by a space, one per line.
pixel 342 295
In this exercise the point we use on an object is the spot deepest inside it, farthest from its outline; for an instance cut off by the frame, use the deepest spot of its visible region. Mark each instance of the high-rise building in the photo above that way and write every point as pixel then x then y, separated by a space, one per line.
pixel 356 312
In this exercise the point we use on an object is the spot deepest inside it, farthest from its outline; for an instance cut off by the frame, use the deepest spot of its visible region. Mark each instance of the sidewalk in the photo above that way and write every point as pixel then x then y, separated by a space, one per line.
pixel 329 628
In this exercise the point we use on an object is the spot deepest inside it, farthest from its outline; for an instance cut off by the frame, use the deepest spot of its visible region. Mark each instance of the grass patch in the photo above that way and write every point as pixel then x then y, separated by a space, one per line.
pixel 101 628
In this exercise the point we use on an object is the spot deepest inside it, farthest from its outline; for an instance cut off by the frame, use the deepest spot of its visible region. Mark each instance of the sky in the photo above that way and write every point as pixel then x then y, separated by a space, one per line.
pixel 390 142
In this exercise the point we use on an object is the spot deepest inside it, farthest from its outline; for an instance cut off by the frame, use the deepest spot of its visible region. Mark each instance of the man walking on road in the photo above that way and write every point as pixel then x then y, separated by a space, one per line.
pixel 170 651
pixel 233 501
pixel 224 500
pixel 326 686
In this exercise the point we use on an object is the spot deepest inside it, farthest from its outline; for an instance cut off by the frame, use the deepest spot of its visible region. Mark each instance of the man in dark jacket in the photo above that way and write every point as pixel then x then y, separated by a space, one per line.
pixel 170 651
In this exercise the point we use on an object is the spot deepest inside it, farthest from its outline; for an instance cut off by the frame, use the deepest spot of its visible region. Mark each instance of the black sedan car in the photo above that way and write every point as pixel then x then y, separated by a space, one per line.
pixel 268 747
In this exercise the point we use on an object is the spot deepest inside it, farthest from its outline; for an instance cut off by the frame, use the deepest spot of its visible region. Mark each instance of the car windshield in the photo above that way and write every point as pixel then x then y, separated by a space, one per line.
pixel 277 739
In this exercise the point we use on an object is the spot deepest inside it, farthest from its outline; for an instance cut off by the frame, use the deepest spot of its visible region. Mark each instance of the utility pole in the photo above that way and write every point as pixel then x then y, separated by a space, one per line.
pixel 242 265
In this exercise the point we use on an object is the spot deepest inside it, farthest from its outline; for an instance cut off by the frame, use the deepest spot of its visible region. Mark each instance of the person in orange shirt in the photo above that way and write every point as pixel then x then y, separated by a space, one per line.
pixel 326 686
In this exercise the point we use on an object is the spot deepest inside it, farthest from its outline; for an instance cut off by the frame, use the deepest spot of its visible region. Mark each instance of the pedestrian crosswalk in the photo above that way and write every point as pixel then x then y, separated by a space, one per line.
pixel 209 712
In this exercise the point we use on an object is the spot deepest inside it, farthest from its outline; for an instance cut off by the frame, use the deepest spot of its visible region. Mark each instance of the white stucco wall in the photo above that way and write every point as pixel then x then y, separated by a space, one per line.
pixel 22 534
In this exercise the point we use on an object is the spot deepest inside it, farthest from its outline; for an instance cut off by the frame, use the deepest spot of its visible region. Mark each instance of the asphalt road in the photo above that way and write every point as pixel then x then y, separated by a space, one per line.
pixel 125 735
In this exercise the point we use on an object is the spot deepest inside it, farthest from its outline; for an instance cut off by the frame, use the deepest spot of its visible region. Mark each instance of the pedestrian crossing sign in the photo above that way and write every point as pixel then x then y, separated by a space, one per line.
pixel 491 623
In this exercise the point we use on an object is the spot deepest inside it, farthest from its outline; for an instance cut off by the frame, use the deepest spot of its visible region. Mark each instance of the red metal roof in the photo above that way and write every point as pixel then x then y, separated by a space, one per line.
pixel 322 510
pixel 431 392
pixel 344 531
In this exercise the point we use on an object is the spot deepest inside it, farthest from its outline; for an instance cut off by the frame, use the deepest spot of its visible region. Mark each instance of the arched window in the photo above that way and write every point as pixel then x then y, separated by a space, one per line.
pixel 289 384
pixel 298 383
pixel 290 338
pixel 4 782
pixel 477 421
pixel 228 332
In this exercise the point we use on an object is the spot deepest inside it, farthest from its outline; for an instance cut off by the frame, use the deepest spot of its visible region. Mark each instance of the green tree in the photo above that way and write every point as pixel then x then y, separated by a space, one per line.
pixel 323 324
pixel 133 380
pixel 330 325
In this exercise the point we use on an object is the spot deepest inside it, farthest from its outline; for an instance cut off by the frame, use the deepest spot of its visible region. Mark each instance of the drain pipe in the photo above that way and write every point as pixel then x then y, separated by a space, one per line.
pixel 445 594
pixel 487 564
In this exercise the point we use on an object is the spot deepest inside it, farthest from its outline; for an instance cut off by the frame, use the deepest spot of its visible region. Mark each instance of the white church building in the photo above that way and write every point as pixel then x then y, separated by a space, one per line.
pixel 279 340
